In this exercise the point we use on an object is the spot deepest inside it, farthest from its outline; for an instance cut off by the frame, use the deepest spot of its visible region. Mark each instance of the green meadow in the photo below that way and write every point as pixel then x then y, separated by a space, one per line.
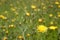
pixel 20 19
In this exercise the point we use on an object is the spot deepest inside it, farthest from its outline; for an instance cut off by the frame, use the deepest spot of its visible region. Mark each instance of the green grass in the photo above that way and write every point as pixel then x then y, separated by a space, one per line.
pixel 24 24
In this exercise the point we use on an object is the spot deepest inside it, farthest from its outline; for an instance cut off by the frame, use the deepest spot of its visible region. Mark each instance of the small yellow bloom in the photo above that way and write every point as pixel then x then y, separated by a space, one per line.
pixel 5 38
pixel 28 35
pixel 40 20
pixel 28 14
pixel 56 2
pixel 20 37
pixel 11 26
pixel 50 15
pixel 42 28
pixel 58 15
pixel 3 17
pixel 53 27
pixel 33 6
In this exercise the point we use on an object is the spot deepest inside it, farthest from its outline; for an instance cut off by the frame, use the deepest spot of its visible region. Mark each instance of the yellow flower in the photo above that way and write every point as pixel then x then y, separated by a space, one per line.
pixel 3 17
pixel 58 15
pixel 28 35
pixel 42 28
pixel 50 15
pixel 33 6
pixel 11 26
pixel 28 14
pixel 53 27
pixel 5 38
pixel 56 2
pixel 40 20
pixel 20 37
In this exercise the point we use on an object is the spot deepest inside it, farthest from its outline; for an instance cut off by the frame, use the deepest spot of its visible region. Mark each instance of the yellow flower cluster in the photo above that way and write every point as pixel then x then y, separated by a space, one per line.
pixel 43 28
pixel 57 2
pixel 33 6
pixel 11 26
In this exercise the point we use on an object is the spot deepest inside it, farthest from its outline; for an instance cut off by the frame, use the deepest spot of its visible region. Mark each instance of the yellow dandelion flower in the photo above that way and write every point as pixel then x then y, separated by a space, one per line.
pixel 5 38
pixel 42 28
pixel 11 26
pixel 33 6
pixel 28 14
pixel 28 35
pixel 56 2
pixel 20 37
pixel 3 17
pixel 53 27
pixel 50 15
pixel 40 20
